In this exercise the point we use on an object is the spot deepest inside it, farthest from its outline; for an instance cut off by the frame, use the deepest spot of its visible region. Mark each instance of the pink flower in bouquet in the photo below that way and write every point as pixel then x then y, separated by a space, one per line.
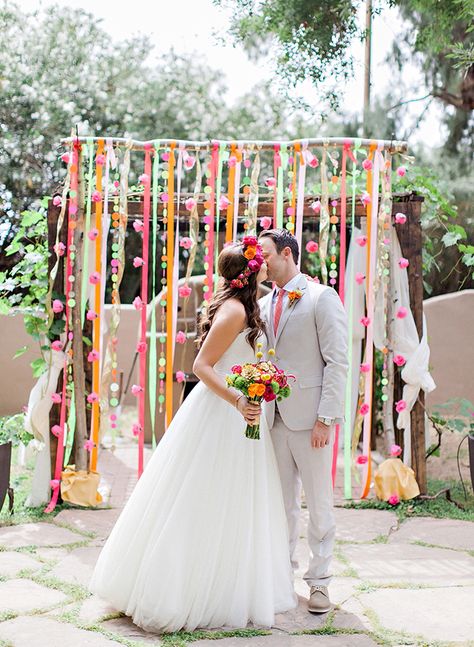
pixel 144 178
pixel 136 389
pixel 92 235
pixel 400 218
pixel 60 248
pixel 93 356
pixel 364 409
pixel 180 376
pixel 360 278
pixel 89 445
pixel 97 196
pixel 361 241
pixel 365 198
pixel 365 367
pixel 367 165
pixel 56 430
pixel 399 360
pixel 402 312
pixel 56 398
pixel 403 263
pixel 141 347
pixel 136 429
pixel 138 225
pixel 65 158
pixel 401 171
pixel 137 303
pixel 362 459
pixel 269 394
pixel 58 306
pixel 394 499
pixel 100 159
pixel 57 201
pixel 91 315
pixel 94 278
pixel 270 182
pixel 266 222
pixel 400 406
pixel 316 206
pixel 236 369
pixel 138 261
pixel 184 291
pixel 185 242
pixel 312 247
pixel 92 397
pixel 180 337
pixel 190 204
pixel 365 321
pixel 57 345
pixel 395 450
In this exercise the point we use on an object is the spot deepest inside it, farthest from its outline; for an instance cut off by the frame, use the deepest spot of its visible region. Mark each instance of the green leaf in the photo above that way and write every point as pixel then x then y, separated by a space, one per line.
pixel 4 307
pixel 86 341
pixel 31 218
pixel 468 260
pixel 451 238
pixel 39 366
pixel 20 352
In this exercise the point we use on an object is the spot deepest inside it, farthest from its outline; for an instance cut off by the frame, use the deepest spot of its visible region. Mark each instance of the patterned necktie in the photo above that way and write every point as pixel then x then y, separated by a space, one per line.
pixel 278 309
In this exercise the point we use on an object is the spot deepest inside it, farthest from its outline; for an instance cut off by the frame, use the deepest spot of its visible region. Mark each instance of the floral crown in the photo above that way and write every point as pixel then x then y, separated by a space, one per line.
pixel 253 253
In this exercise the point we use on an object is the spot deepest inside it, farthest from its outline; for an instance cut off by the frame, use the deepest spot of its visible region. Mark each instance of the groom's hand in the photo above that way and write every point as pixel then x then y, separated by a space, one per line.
pixel 320 435
pixel 250 410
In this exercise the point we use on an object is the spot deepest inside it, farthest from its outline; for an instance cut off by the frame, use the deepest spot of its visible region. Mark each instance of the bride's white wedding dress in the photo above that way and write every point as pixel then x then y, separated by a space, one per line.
pixel 203 540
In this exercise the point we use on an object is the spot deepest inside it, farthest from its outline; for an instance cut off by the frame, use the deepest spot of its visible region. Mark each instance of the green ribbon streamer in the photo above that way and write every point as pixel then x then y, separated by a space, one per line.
pixel 152 358
pixel 90 177
pixel 218 211
pixel 71 427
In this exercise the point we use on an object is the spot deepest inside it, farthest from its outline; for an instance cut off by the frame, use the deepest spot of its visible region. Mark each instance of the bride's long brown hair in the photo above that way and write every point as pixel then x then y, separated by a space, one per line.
pixel 230 264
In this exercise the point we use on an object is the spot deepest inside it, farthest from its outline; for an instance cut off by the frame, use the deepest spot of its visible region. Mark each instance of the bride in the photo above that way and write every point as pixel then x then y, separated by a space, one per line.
pixel 202 541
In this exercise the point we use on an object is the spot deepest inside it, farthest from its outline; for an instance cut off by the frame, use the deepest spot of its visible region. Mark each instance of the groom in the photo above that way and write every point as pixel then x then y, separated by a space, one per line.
pixel 306 325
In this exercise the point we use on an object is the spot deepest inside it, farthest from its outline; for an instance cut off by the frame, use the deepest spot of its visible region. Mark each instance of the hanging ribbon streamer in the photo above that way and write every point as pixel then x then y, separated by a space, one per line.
pixel 253 196
pixel 232 191
pixel 238 171
pixel 300 201
pixel 280 157
pixel 324 217
pixel 218 193
pixel 276 164
pixel 179 168
pixel 170 291
pixel 209 211
pixel 152 355
pixel 90 179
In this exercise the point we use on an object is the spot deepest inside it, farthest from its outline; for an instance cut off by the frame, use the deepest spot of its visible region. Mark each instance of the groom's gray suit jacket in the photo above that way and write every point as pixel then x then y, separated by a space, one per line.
pixel 311 343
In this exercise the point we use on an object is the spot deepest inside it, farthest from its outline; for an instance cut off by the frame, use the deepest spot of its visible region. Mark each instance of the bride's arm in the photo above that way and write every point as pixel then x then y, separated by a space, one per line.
pixel 228 322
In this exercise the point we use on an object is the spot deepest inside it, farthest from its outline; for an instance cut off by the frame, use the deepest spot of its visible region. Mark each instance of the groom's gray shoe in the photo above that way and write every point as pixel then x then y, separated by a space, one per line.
pixel 319 600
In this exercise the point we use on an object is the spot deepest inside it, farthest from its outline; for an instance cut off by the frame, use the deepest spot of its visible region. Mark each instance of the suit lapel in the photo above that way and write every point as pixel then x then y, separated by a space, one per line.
pixel 288 311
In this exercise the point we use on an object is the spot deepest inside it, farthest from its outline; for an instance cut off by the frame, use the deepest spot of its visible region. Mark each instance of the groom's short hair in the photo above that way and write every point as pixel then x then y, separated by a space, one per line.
pixel 282 238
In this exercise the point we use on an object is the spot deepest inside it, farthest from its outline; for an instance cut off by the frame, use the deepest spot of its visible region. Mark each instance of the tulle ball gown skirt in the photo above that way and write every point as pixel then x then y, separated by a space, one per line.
pixel 202 541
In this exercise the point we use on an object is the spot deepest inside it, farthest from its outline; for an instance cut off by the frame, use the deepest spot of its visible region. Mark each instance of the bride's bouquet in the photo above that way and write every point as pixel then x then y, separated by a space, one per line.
pixel 260 381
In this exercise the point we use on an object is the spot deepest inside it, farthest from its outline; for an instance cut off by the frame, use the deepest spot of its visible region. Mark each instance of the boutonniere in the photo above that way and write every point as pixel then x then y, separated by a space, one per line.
pixel 294 296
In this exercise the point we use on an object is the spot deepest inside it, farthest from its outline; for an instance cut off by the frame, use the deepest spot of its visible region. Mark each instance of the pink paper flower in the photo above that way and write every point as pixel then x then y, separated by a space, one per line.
pixel 184 291
pixel 386 241
pixel 189 161
pixel 92 235
pixel 138 261
pixel 136 389
pixel 403 263
pixel 364 409
pixel 97 196
pixel 180 376
pixel 266 222
pixel 136 429
pixel 290 211
pixel 91 315
pixel 56 398
pixel 92 397
pixel 57 201
pixel 144 179
pixel 400 406
pixel 224 202
pixel 401 171
pixel 360 278
pixel 89 445
pixel 311 160
pixel 361 241
pixel 270 182
pixel 137 303
pixel 54 484
pixel 57 306
pixel 402 312
pixel 72 208
pixel 60 248
pixel 186 242
pixel 165 157
pixel 100 159
pixel 400 218
pixel 399 360
pixel 65 158
pixel 365 198
pixel 394 499
pixel 93 356
pixel 141 347
pixel 138 225
pixel 180 337
pixel 94 278
pixel 367 165
pixel 190 204
pixel 57 345
pixel 316 206
pixel 56 430
pixel 362 459
pixel 365 321
pixel 232 161
pixel 395 450
pixel 164 197
pixel 312 247
pixel 365 367
pixel 247 163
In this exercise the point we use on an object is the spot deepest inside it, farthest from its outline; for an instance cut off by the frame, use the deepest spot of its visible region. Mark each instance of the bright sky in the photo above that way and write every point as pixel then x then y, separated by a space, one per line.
pixel 189 25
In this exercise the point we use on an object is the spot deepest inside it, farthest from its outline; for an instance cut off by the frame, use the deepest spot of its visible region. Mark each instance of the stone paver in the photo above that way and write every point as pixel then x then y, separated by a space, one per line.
pixel 397 563
pixel 36 631
pixel 99 521
pixel 38 534
pixel 77 566
pixel 452 533
pixel 125 627
pixel 12 563
pixel 94 609
pixel 299 619
pixel 363 525
pixel 284 640
pixel 436 614
pixel 24 595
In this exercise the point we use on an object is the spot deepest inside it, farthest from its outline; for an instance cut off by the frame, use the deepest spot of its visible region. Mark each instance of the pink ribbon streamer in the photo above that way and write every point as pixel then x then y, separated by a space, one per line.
pixel 299 200
pixel 238 171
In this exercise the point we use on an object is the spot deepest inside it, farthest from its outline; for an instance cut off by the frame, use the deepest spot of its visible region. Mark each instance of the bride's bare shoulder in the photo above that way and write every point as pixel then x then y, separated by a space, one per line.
pixel 232 310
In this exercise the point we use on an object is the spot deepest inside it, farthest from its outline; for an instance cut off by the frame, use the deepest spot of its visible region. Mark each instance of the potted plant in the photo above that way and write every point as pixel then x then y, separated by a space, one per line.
pixel 12 433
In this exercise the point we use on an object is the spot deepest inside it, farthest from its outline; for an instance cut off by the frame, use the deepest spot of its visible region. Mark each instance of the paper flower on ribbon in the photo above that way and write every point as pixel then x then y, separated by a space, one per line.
pixel 247 163
pixel 362 459
pixel 100 159
pixel 57 345
pixel 93 356
pixel 92 397
pixel 402 312
pixel 270 182
pixel 144 179
pixel 365 367
pixel 367 165
pixel 92 235
pixel 401 171
pixel 89 445
pixel 138 261
pixel 364 409
pixel 65 158
pixel 365 198
pixel 164 197
pixel 136 429
pixel 186 242
pixel 184 291
pixel 57 201
pixel 190 204
pixel 56 430
pixel 399 360
pixel 136 389
pixel 60 248
pixel 91 315
pixel 360 278
pixel 165 157
pixel 57 306
pixel 232 161
pixel 394 499
pixel 316 206
pixel 312 246
pixel 403 263
pixel 400 218
pixel 365 321
pixel 386 241
pixel 141 347
pixel 224 202
pixel 138 225
pixel 56 398
pixel 97 196
pixel 54 484
pixel 400 406
pixel 266 222
pixel 311 159
pixel 290 211
pixel 72 208
pixel 189 161
pixel 137 303
pixel 395 450
pixel 361 241
pixel 180 376
pixel 180 337
pixel 94 278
